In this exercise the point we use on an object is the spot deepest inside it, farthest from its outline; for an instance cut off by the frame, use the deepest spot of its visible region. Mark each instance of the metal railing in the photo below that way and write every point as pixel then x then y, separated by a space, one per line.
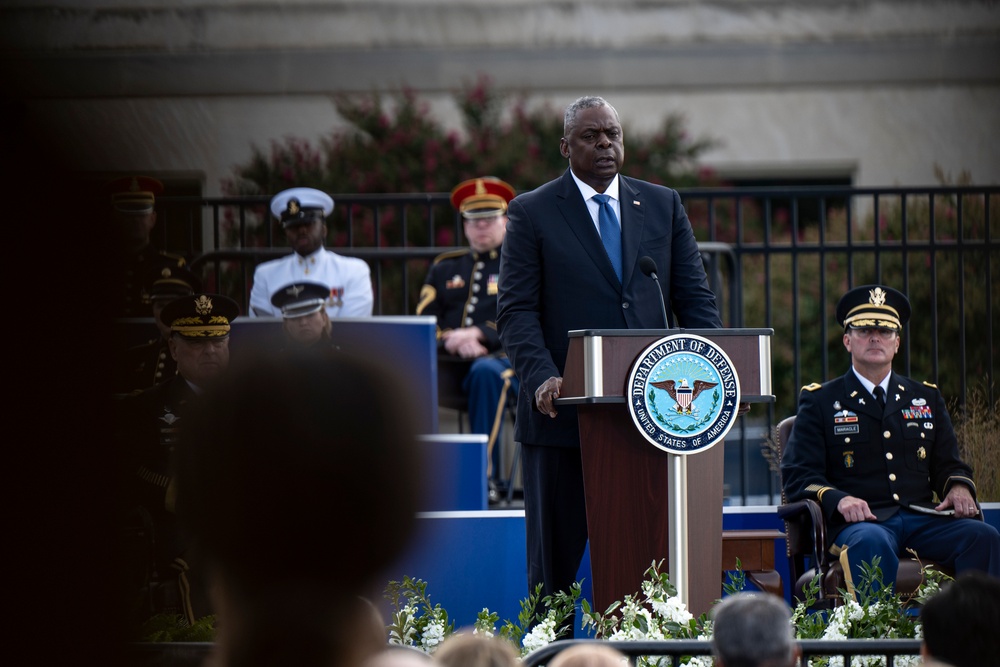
pixel 777 258
pixel 676 649
pixel 191 654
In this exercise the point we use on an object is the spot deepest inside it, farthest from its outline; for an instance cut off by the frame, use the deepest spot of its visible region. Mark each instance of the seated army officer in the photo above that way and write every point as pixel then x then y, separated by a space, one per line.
pixel 877 451
pixel 158 577
pixel 150 363
pixel 303 212
pixel 304 319
pixel 461 290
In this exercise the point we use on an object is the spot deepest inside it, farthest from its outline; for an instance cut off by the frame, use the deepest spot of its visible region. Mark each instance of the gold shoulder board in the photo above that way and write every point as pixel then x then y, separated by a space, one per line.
pixel 450 254
pixel 930 384
pixel 812 387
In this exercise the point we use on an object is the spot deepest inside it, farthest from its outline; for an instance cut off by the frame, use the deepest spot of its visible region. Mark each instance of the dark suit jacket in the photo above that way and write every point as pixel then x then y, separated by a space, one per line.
pixel 843 444
pixel 555 277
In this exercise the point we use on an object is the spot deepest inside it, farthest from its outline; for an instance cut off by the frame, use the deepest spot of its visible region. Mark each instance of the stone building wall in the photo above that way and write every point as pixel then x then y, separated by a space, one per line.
pixel 877 91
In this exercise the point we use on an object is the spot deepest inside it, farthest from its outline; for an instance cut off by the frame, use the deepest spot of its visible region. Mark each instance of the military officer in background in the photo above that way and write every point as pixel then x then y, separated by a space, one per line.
pixel 150 363
pixel 305 322
pixel 302 213
pixel 878 452
pixel 158 577
pixel 461 291
pixel 133 213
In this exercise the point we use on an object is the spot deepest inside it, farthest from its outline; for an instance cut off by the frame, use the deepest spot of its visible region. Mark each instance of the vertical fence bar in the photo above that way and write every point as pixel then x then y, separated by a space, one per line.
pixel 963 380
pixel 935 339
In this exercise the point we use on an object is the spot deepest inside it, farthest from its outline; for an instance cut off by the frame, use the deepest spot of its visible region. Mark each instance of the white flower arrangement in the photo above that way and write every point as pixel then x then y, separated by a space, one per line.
pixel 656 613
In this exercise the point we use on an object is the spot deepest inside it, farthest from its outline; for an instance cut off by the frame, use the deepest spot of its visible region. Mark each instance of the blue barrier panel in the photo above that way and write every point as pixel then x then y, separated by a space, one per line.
pixel 454 472
pixel 409 344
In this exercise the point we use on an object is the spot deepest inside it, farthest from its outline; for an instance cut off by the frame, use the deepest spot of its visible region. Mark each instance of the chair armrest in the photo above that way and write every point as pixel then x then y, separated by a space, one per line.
pixel 805 528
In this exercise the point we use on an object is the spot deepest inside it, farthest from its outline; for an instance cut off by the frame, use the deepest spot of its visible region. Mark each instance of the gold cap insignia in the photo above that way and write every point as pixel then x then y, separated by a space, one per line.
pixel 203 305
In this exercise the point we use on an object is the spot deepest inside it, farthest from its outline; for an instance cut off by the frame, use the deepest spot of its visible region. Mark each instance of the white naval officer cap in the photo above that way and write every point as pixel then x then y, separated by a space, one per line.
pixel 298 206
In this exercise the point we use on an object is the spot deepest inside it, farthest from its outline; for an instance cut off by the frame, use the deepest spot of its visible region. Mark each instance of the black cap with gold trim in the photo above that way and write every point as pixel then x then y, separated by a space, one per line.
pixel 200 316
pixel 170 282
pixel 135 195
pixel 300 299
pixel 873 306
pixel 301 206
pixel 482 197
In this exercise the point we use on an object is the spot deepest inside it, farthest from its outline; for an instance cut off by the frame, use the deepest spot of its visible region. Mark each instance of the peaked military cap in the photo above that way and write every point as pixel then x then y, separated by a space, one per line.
pixel 482 197
pixel 300 206
pixel 199 316
pixel 873 306
pixel 169 282
pixel 300 299
pixel 134 194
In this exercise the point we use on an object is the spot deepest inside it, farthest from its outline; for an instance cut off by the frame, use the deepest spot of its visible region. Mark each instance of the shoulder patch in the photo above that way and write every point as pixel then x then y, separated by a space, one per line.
pixel 812 387
pixel 451 254
pixel 930 384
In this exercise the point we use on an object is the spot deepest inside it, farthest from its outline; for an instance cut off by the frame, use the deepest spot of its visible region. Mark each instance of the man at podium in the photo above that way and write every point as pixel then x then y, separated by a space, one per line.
pixel 571 260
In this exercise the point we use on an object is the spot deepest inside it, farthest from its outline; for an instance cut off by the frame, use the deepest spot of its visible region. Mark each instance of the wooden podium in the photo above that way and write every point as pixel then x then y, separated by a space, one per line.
pixel 625 477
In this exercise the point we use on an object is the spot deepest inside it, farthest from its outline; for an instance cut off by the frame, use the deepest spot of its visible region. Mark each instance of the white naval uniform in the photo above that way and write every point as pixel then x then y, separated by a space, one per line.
pixel 349 279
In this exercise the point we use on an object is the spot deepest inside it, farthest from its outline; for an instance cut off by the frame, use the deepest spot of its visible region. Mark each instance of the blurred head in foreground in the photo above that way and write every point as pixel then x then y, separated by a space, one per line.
pixel 753 630
pixel 960 622
pixel 589 655
pixel 469 650
pixel 296 485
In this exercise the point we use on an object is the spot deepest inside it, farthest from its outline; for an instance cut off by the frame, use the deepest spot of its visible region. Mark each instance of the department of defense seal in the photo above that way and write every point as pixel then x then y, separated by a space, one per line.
pixel 684 394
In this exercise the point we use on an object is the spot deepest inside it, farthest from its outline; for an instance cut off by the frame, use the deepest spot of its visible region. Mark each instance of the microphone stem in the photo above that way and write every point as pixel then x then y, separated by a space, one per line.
pixel 663 307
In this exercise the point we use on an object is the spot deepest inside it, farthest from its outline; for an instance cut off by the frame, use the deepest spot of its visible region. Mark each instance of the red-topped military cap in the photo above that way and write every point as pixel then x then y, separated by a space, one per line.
pixel 134 194
pixel 482 197
pixel 873 306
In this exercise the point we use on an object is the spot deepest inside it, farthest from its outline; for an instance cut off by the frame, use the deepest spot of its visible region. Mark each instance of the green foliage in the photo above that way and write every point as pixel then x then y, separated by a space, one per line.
pixel 175 628
pixel 839 243
pixel 394 144
pixel 977 428
pixel 415 621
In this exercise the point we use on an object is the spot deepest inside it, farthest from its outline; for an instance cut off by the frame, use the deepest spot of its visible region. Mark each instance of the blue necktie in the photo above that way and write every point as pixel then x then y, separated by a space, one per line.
pixel 611 232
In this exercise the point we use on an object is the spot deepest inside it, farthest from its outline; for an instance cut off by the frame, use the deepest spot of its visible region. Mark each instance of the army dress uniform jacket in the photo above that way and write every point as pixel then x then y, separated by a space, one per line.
pixel 349 279
pixel 145 365
pixel 461 291
pixel 843 444
pixel 150 427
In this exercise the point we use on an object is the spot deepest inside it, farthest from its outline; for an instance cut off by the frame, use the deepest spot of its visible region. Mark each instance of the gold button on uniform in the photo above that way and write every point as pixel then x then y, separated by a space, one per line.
pixel 895 496
pixel 892 477
pixel 886 434
pixel 888 455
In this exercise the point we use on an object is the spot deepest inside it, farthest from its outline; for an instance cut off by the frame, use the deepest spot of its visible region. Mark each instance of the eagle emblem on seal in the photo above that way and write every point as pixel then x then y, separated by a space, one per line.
pixel 683 394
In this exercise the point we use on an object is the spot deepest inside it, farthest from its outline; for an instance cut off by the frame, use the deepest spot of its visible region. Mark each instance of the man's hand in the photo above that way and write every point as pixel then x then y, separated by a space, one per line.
pixel 855 510
pixel 465 342
pixel 960 499
pixel 546 395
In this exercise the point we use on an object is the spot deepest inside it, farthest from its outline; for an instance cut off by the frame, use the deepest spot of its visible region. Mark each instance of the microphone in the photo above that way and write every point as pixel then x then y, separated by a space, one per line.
pixel 648 266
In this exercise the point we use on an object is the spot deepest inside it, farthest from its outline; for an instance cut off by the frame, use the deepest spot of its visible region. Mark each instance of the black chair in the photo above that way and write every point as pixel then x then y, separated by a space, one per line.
pixel 805 540
pixel 451 373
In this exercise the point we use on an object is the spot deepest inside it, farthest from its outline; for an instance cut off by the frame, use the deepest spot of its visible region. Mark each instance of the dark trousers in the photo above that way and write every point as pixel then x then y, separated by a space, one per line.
pixel 555 515
pixel 962 544
pixel 489 384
